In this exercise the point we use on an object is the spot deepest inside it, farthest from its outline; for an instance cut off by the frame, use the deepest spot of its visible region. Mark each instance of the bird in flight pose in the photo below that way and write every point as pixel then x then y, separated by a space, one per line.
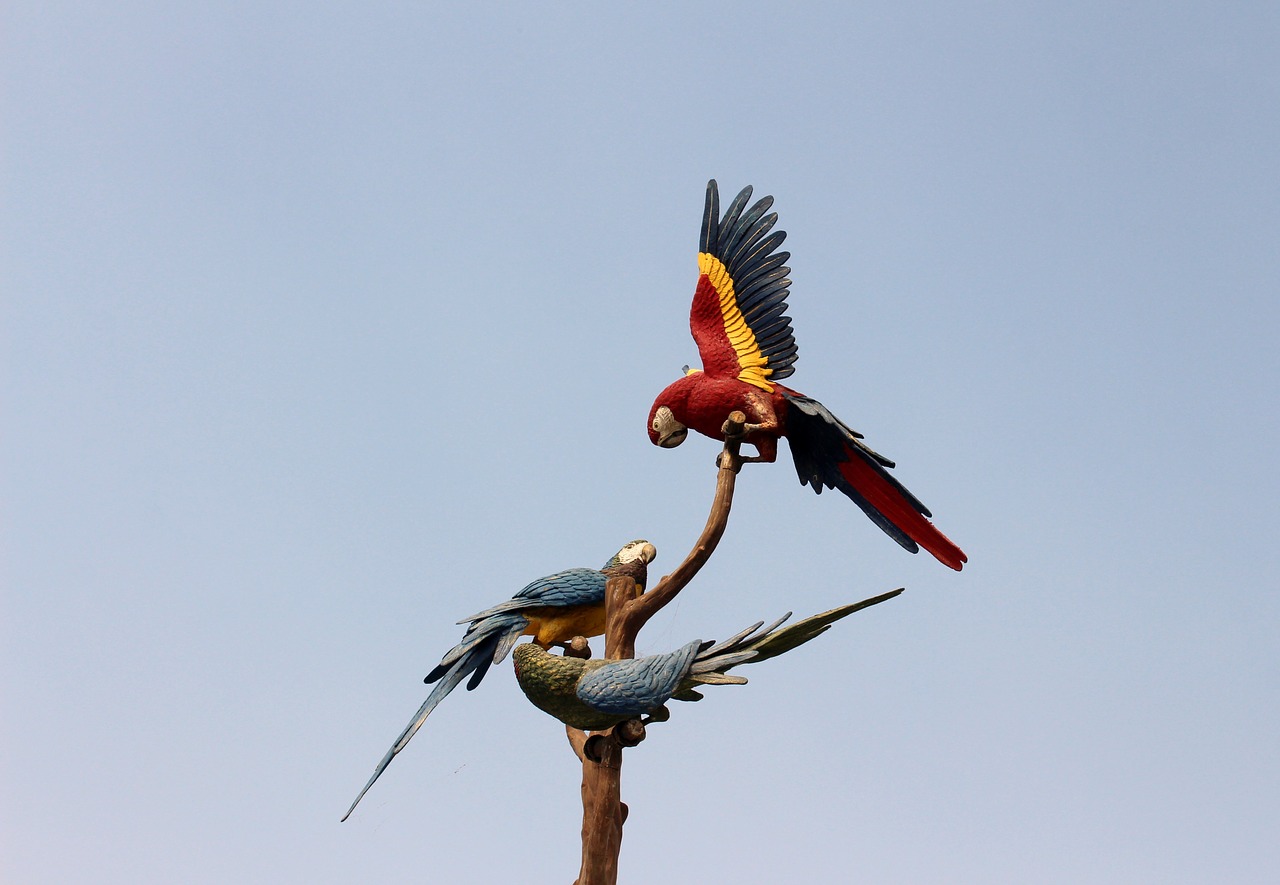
pixel 744 337
pixel 553 610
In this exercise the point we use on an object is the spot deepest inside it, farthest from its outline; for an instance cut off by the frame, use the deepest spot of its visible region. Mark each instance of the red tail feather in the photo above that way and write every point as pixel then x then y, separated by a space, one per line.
pixel 898 510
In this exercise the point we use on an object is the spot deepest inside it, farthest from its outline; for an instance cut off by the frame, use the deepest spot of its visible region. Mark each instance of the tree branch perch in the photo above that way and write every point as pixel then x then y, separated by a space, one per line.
pixel 626 612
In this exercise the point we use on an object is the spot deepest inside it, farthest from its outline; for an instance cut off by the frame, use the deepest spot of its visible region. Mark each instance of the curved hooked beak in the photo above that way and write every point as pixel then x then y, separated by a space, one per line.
pixel 668 432
pixel 673 439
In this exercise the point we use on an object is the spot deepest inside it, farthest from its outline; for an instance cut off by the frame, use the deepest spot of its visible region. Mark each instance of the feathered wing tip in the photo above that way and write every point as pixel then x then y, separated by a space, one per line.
pixel 473 661
pixel 506 607
pixel 710 218
pixel 828 454
pixel 752 645
pixel 772 643
pixel 755 644
pixel 751 285
pixel 508 627
pixel 442 688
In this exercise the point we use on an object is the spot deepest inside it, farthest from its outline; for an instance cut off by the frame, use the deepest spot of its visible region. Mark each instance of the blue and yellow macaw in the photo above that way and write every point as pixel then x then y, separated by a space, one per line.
pixel 553 610
pixel 597 694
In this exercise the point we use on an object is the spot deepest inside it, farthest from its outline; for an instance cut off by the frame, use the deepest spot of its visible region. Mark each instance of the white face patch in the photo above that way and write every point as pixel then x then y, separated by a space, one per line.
pixel 637 550
pixel 670 431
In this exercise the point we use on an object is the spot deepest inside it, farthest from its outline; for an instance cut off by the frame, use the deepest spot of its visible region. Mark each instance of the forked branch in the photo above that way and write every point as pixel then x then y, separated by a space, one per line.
pixel 626 611
pixel 635 610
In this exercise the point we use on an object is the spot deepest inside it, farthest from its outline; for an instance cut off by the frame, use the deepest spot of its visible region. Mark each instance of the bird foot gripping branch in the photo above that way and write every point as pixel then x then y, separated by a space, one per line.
pixel 735 432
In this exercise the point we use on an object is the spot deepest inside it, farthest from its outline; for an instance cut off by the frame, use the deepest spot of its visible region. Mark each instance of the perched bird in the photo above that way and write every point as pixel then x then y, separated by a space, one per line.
pixel 553 610
pixel 595 694
pixel 744 337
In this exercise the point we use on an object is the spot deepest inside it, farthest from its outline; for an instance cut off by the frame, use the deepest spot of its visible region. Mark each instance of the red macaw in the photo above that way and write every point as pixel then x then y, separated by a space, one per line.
pixel 744 337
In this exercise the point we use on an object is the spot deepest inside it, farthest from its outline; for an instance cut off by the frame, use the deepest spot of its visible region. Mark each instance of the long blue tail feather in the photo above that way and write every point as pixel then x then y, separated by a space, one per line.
pixel 479 653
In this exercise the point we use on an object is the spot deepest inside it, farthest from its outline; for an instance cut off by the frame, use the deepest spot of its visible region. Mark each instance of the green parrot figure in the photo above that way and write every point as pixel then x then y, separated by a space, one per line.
pixel 597 694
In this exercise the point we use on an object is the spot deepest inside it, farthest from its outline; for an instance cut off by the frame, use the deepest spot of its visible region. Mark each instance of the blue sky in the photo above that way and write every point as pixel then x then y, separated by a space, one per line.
pixel 324 328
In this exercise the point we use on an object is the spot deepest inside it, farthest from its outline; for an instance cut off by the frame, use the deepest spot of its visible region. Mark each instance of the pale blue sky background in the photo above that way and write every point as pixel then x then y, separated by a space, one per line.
pixel 327 326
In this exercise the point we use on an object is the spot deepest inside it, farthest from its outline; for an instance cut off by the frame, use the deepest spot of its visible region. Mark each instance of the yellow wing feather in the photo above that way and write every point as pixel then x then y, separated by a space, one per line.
pixel 755 370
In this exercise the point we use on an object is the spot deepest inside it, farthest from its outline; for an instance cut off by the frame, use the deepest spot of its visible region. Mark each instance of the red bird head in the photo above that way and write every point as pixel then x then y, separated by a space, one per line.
pixel 665 427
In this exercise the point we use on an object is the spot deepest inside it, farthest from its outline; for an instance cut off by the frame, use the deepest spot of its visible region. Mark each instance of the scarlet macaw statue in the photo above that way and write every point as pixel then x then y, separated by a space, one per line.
pixel 553 610
pixel 596 694
pixel 744 337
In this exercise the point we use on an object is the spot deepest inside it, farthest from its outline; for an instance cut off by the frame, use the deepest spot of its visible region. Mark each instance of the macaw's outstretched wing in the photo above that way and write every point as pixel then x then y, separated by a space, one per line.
pixel 739 306
pixel 778 640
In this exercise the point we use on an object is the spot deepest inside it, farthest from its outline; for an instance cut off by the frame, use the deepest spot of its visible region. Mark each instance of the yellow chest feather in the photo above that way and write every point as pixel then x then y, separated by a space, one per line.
pixel 549 625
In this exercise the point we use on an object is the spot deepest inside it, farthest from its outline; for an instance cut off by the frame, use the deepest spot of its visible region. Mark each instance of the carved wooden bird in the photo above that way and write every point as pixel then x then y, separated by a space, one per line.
pixel 552 610
pixel 744 337
pixel 598 694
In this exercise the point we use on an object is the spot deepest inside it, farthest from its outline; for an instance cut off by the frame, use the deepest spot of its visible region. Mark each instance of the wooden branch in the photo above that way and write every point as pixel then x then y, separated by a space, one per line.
pixel 626 611
pixel 577 740
pixel 621 631
pixel 602 814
